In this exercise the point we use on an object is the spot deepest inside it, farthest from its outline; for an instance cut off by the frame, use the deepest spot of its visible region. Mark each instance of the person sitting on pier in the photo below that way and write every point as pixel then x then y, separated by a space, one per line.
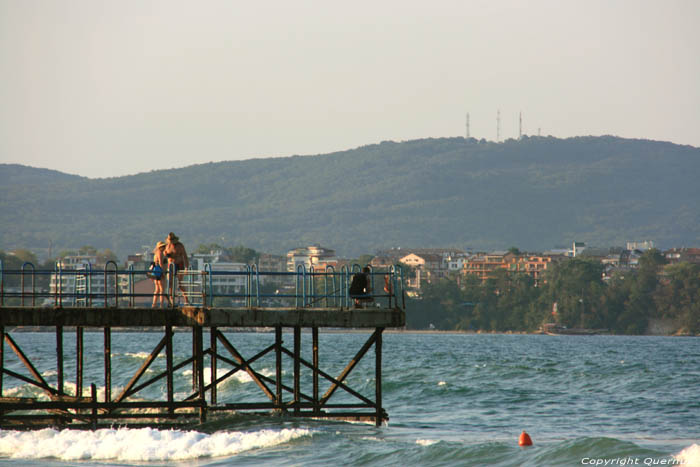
pixel 157 274
pixel 177 255
pixel 361 287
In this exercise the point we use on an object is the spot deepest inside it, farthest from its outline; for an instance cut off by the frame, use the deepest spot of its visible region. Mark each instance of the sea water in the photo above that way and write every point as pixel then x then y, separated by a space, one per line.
pixel 453 399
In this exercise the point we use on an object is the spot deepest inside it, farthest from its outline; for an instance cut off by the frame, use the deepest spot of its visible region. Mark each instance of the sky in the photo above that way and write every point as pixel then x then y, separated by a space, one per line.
pixel 109 88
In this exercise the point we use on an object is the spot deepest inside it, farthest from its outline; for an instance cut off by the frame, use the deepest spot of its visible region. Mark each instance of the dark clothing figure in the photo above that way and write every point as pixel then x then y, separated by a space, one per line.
pixel 361 287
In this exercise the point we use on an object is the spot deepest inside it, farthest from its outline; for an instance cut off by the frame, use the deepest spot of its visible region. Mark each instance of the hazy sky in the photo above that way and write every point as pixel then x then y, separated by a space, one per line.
pixel 108 88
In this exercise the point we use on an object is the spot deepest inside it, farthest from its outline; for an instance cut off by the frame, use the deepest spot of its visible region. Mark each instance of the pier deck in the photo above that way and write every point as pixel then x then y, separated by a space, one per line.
pixel 203 316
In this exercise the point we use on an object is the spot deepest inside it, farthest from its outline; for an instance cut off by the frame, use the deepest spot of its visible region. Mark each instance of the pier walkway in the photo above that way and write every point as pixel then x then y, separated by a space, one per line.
pixel 206 305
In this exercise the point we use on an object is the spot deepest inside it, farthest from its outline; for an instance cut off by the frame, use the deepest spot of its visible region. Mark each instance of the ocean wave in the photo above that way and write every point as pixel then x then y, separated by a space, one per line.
pixel 69 387
pixel 426 442
pixel 141 355
pixel 240 376
pixel 142 445
pixel 690 456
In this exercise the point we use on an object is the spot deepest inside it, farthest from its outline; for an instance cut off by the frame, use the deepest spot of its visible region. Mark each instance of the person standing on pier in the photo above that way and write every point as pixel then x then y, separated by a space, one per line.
pixel 158 274
pixel 177 255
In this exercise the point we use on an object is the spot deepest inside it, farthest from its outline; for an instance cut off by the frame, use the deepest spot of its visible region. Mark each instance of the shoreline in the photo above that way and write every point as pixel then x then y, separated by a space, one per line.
pixel 44 329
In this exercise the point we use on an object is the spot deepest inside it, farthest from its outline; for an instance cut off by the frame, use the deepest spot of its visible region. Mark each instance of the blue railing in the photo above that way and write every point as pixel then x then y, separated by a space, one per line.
pixel 249 287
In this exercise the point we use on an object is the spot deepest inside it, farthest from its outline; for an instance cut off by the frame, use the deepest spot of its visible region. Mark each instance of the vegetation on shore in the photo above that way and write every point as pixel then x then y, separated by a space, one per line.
pixel 573 295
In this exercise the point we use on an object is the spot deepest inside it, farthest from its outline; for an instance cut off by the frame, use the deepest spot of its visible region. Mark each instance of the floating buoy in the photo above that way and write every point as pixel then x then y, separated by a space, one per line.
pixel 524 439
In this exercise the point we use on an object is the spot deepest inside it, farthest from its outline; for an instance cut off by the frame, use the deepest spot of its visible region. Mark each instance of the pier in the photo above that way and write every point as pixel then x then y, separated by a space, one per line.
pixel 280 306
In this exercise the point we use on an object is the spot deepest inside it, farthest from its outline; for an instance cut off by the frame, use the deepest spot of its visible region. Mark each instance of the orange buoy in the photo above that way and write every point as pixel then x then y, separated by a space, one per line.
pixel 524 439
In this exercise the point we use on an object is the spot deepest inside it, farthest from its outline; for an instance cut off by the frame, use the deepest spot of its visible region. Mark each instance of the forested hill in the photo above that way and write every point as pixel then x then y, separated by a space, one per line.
pixel 534 193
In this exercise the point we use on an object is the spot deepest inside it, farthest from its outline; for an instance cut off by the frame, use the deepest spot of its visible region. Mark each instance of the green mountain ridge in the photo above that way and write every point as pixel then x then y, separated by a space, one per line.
pixel 533 193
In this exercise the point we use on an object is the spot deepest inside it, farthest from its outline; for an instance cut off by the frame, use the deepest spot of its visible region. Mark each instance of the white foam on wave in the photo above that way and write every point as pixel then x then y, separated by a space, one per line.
pixel 143 355
pixel 425 442
pixel 240 376
pixel 143 444
pixel 690 456
pixel 69 387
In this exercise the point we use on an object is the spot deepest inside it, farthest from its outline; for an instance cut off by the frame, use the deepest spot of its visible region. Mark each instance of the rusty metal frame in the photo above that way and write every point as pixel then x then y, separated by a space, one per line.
pixel 79 411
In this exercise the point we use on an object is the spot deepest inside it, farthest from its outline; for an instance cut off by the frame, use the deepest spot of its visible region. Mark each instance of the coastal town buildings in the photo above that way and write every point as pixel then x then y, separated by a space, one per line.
pixel 421 266
pixel 269 262
pixel 313 255
pixel 484 265
pixel 428 264
pixel 680 255
pixel 76 277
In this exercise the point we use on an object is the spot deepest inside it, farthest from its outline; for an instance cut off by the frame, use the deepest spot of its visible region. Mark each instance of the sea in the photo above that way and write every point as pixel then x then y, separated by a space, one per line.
pixel 453 400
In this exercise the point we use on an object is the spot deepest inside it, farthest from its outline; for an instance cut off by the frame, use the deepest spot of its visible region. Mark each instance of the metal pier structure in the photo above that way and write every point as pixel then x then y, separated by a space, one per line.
pixel 285 304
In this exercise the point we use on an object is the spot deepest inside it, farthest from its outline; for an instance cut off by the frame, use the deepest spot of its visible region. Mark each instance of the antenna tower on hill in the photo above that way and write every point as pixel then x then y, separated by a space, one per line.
pixel 468 125
pixel 498 125
pixel 520 130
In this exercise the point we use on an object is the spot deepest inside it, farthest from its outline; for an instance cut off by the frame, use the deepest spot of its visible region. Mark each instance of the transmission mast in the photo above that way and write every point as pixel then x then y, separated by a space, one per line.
pixel 520 130
pixel 468 135
pixel 498 125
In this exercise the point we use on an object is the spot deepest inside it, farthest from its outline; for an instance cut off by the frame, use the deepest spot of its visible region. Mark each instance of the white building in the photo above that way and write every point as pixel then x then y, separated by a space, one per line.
pixel 577 248
pixel 640 246
pixel 309 256
pixel 226 277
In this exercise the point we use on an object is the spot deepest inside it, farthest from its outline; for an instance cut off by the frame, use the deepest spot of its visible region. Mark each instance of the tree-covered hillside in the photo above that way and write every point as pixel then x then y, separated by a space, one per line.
pixel 534 193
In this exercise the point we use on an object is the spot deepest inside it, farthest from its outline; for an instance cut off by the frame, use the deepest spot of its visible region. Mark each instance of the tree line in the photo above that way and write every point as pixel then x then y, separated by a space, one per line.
pixel 573 294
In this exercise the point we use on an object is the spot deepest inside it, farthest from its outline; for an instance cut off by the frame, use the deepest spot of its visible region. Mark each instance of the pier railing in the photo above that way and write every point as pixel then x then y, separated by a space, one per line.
pixel 246 288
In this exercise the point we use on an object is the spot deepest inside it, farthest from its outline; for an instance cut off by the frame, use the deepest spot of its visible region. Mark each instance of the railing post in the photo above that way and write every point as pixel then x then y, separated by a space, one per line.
pixel 130 287
pixel 330 272
pixel 301 270
pixel 248 285
pixel 58 290
pixel 392 285
pixel 257 285
pixel 208 273
pixel 311 296
pixel 116 283
pixel 203 281
pixel 344 286
pixel 33 283
pixel 88 287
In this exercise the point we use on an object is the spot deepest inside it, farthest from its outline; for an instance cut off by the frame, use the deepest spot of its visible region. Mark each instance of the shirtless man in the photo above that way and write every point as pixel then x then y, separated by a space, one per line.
pixel 177 255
